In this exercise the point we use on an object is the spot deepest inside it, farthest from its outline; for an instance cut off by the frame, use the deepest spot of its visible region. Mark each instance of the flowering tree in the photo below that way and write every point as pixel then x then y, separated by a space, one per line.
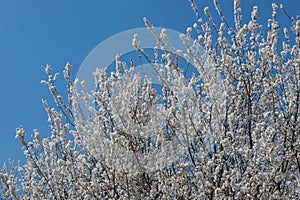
pixel 230 131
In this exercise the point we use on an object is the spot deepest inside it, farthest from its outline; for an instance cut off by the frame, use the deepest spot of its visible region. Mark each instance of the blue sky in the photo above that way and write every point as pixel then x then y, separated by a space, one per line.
pixel 35 33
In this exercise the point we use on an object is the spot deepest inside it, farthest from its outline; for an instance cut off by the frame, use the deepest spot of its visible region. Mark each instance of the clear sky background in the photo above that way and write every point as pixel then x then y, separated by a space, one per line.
pixel 35 33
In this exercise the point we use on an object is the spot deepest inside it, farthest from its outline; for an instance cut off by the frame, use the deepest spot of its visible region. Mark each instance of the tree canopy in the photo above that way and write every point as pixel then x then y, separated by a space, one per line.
pixel 229 131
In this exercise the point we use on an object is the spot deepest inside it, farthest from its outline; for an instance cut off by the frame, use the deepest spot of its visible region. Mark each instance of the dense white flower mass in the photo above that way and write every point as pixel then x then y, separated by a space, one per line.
pixel 231 131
